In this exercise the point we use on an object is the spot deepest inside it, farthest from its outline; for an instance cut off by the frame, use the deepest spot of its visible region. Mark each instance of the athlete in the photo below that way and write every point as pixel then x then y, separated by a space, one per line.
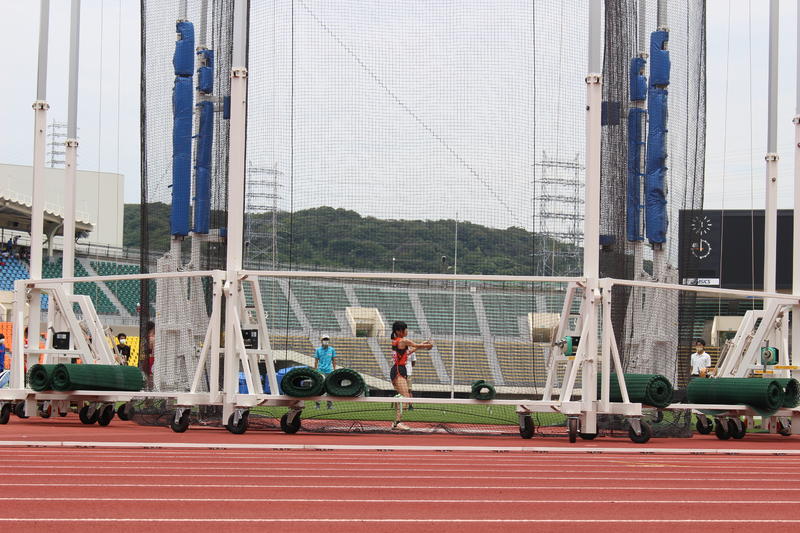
pixel 401 349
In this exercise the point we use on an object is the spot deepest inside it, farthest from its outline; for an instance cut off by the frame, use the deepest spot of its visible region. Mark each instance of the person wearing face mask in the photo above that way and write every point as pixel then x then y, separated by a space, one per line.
pixel 3 353
pixel 123 348
pixel 325 360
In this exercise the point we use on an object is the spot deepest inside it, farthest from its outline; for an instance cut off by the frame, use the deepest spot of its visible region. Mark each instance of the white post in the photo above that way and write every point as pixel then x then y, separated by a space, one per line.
pixel 771 208
pixel 591 224
pixel 236 178
pixel 71 146
pixel 40 107
pixel 796 216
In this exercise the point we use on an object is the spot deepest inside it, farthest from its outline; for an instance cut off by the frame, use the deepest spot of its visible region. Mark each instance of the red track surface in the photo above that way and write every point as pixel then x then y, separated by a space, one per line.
pixel 100 488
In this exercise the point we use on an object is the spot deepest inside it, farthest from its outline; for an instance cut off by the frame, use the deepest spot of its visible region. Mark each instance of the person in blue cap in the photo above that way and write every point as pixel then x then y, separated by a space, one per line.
pixel 325 360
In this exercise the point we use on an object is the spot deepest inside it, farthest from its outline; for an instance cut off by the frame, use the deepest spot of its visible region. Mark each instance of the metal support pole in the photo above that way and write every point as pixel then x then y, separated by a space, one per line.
pixel 236 179
pixel 40 107
pixel 594 95
pixel 796 217
pixel 591 227
pixel 71 146
pixel 771 197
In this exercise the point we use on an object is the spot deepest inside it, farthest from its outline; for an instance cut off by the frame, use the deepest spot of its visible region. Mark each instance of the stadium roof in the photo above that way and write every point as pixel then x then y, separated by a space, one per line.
pixel 15 213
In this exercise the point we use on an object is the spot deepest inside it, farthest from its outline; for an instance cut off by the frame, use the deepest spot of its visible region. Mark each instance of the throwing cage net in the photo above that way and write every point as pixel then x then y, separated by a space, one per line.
pixel 434 138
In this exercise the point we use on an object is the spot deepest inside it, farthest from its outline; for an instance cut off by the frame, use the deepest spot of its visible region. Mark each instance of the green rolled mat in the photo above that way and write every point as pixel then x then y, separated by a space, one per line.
pixel 763 395
pixel 649 389
pixel 791 391
pixel 481 390
pixel 303 382
pixel 344 382
pixel 97 377
pixel 40 376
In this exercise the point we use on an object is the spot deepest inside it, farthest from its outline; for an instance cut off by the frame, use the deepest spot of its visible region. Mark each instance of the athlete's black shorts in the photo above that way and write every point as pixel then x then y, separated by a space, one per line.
pixel 403 373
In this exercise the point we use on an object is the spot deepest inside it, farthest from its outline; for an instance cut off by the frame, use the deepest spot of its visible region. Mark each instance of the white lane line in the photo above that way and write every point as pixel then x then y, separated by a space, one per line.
pixel 189 469
pixel 315 475
pixel 270 519
pixel 389 447
pixel 389 500
pixel 349 486
pixel 440 455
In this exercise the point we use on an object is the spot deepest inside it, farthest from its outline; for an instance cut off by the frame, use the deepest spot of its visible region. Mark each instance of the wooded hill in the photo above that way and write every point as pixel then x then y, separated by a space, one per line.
pixel 340 239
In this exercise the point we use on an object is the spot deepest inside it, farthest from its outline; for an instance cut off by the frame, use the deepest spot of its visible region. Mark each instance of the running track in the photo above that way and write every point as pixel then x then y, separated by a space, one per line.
pixel 131 478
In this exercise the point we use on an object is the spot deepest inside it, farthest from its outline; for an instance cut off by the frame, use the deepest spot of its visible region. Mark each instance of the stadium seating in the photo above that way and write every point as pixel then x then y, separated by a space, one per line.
pixel 127 291
pixel 321 301
pixel 438 308
pixel 471 362
pixel 503 311
pixel 522 364
pixel 12 270
pixel 279 314
pixel 392 304
pixel 355 353
pixel 103 306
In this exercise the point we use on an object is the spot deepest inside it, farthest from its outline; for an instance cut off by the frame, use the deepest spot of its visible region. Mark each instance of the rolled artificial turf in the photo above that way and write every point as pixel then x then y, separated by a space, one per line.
pixel 97 377
pixel 40 376
pixel 303 382
pixel 763 395
pixel 649 389
pixel 344 382
pixel 791 392
pixel 481 390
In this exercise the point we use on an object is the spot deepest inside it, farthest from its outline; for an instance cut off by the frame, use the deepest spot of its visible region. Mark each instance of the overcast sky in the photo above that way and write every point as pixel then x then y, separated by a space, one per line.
pixel 109 92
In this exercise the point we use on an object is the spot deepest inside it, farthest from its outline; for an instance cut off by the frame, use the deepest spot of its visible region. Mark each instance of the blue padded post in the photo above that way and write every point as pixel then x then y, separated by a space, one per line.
pixel 205 74
pixel 182 107
pixel 659 59
pixel 183 59
pixel 182 97
pixel 656 218
pixel 202 176
pixel 638 86
pixel 655 197
pixel 633 200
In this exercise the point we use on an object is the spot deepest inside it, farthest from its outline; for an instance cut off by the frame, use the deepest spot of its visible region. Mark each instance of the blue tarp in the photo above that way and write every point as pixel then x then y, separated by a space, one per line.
pixel 182 98
pixel 638 87
pixel 202 176
pixel 205 74
pixel 183 59
pixel 655 197
pixel 633 204
pixel 659 59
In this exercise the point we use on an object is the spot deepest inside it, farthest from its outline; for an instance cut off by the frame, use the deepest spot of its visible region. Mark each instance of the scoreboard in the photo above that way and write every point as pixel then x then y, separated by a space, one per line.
pixel 726 249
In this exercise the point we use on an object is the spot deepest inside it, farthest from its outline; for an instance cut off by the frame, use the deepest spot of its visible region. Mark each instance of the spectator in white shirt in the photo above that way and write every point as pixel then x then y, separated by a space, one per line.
pixel 701 361
pixel 410 362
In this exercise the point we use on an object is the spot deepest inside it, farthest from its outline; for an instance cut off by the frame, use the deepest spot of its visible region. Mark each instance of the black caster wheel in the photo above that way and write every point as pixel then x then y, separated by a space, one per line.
pixel 526 429
pixel 292 428
pixel 735 431
pixel 721 430
pixel 241 426
pixel 588 436
pixel 125 411
pixel 83 414
pixel 645 435
pixel 704 429
pixel 182 423
pixel 45 410
pixel 786 431
pixel 572 428
pixel 658 417
pixel 106 415
pixel 19 410
pixel 5 413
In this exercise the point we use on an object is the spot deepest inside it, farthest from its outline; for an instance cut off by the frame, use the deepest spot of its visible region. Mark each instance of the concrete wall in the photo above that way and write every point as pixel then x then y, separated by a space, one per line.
pixel 99 198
